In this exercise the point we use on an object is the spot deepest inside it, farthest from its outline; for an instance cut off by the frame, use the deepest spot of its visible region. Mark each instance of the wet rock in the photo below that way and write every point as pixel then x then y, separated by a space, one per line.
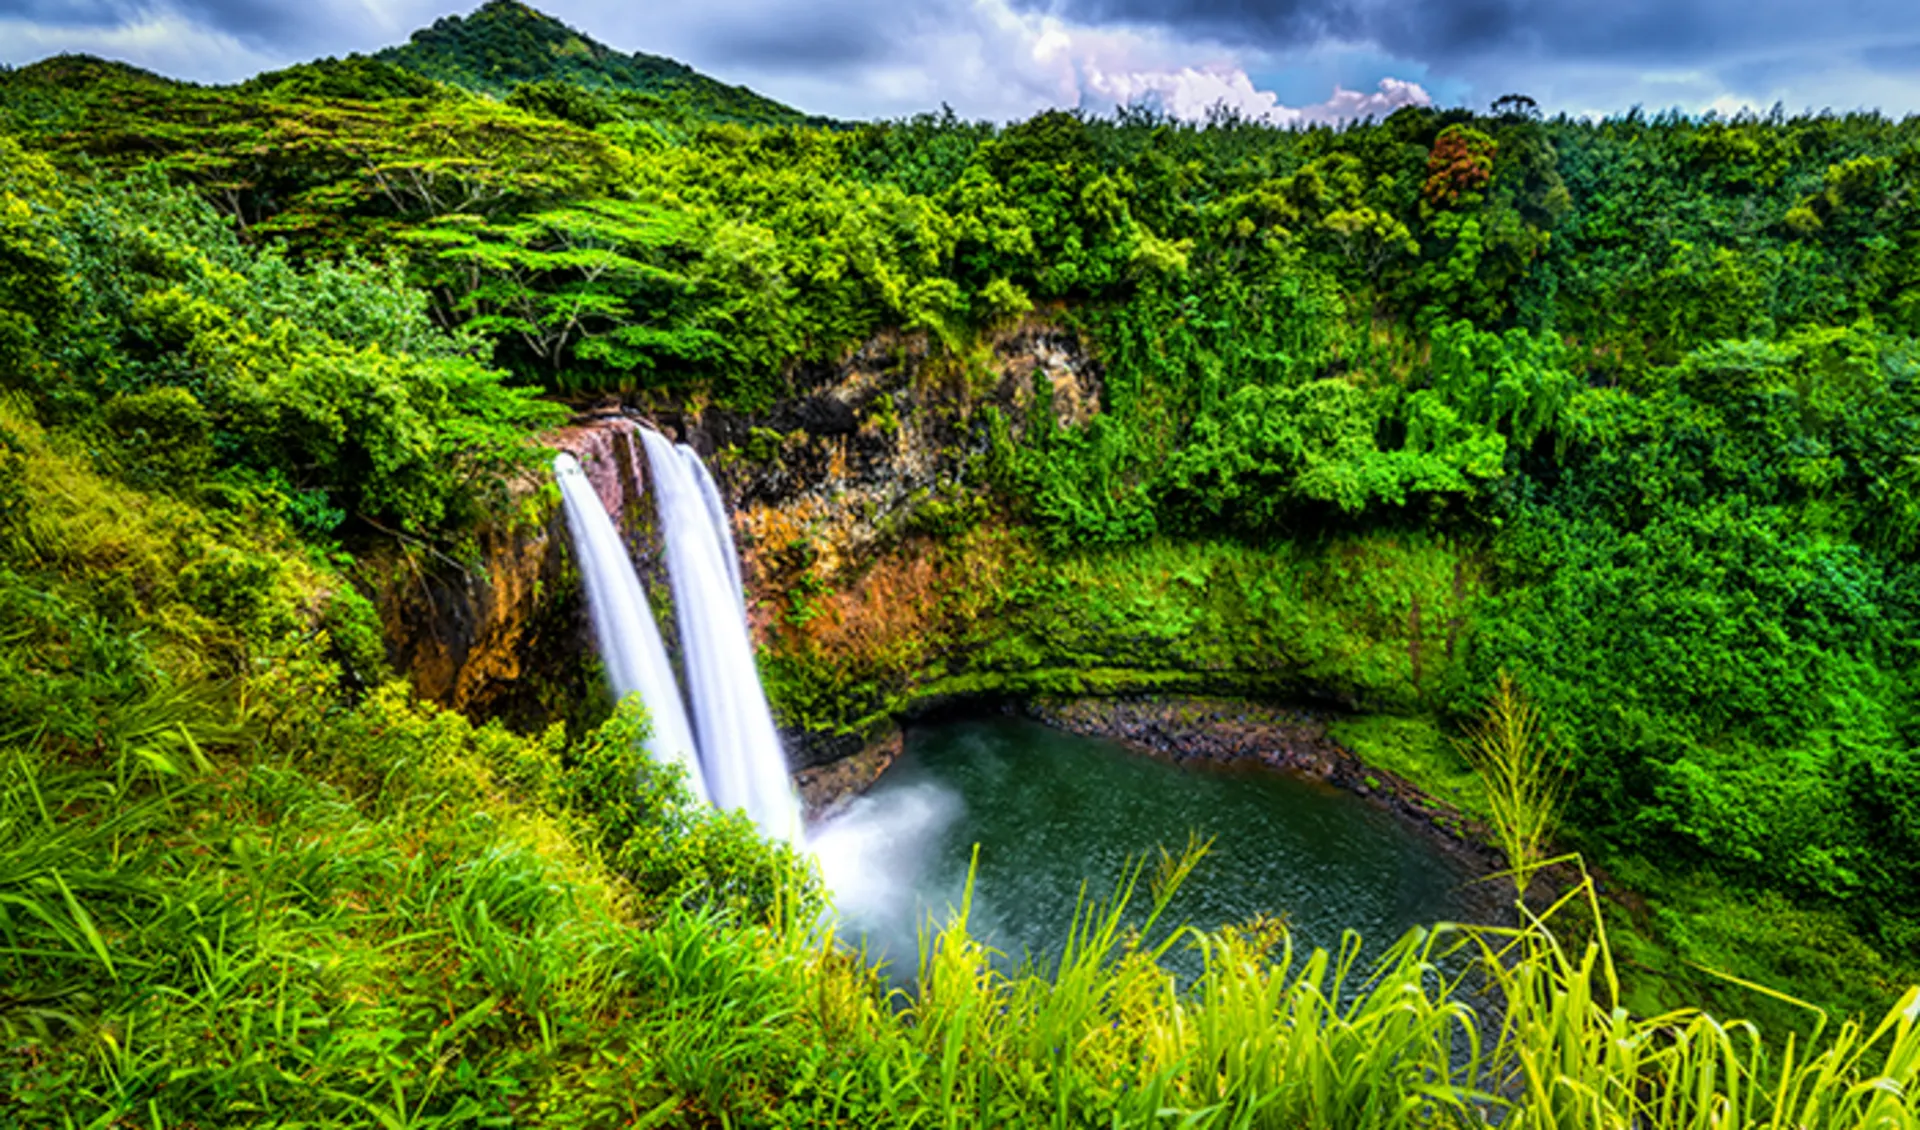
pixel 825 788
pixel 828 416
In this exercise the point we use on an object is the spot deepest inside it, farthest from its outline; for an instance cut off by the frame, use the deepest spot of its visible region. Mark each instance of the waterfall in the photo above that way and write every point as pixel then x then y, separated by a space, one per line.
pixel 623 624
pixel 717 514
pixel 731 750
pixel 739 746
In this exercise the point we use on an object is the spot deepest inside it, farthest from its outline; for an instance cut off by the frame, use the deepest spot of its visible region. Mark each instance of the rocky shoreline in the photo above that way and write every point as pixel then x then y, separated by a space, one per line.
pixel 1182 728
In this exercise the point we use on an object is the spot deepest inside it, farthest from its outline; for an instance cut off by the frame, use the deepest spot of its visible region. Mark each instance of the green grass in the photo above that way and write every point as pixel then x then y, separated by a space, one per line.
pixel 1271 1037
pixel 1523 777
pixel 1683 936
pixel 241 942
pixel 1418 748
pixel 235 892
pixel 244 941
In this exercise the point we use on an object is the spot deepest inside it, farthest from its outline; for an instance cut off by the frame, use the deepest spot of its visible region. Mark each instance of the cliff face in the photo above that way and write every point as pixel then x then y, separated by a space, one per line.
pixel 831 491
pixel 848 499
pixel 891 570
pixel 884 571
pixel 885 448
pixel 504 634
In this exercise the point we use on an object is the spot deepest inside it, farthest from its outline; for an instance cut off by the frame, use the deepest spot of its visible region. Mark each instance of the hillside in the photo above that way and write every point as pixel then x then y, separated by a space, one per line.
pixel 505 44
pixel 1562 471
pixel 503 53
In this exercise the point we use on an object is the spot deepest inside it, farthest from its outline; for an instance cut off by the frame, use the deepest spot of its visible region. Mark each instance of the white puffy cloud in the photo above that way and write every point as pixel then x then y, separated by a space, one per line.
pixel 1192 93
pixel 993 59
pixel 1391 95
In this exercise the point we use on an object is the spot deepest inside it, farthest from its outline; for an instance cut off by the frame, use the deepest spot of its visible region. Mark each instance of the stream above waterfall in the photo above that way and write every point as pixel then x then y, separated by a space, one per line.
pixel 1050 810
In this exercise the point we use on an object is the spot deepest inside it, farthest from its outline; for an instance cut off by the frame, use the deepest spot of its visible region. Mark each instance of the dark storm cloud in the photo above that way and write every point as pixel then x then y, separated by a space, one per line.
pixel 1759 76
pixel 821 38
pixel 1629 31
pixel 254 19
pixel 1279 24
pixel 861 57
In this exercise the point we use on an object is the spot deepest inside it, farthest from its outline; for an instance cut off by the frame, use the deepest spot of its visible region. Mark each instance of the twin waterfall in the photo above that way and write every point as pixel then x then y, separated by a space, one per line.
pixel 731 750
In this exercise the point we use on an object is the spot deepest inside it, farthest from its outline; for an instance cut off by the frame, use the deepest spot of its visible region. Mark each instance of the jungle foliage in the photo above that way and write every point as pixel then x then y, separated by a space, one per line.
pixel 1636 401
pixel 201 365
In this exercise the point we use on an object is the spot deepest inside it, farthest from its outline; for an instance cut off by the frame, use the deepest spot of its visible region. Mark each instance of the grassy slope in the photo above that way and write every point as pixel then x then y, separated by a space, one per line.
pixel 237 896
pixel 232 894
pixel 1683 936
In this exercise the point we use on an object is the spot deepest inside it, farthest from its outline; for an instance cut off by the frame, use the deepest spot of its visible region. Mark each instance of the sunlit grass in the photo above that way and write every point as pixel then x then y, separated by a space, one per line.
pixel 1523 782
pixel 251 900
pixel 1270 1037
pixel 207 940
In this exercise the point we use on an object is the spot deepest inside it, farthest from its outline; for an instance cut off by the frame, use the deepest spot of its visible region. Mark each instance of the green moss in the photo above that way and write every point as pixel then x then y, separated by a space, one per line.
pixel 1692 933
pixel 1373 621
pixel 763 446
pixel 1418 748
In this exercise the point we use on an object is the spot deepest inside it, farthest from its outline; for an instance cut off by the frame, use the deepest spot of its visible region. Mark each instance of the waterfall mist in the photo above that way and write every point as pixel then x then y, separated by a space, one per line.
pixel 876 856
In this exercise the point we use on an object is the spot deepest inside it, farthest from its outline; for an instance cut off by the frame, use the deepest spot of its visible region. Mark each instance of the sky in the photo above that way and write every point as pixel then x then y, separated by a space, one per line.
pixel 1286 61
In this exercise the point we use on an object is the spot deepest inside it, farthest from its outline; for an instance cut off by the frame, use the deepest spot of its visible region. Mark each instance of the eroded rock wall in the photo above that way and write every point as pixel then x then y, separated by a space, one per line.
pixel 841 470
pixel 822 486
pixel 847 496
pixel 503 633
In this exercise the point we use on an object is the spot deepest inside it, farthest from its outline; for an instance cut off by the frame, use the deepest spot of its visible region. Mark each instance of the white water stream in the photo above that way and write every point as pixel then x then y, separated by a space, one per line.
pixel 623 623
pixel 739 746
pixel 732 749
pixel 722 526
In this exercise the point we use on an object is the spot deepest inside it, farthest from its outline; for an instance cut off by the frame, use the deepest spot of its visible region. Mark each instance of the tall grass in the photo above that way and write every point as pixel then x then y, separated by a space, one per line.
pixel 236 940
pixel 258 902
pixel 1522 1033
pixel 1523 782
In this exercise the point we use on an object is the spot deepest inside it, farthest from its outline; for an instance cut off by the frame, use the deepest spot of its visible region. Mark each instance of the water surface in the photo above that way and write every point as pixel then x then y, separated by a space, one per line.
pixel 1050 810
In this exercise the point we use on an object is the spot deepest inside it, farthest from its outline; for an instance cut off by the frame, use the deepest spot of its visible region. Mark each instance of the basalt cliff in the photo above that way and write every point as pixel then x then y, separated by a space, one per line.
pixel 886 573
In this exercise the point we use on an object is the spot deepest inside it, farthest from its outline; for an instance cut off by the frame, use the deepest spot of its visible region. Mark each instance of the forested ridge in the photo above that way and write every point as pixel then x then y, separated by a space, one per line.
pixel 1639 397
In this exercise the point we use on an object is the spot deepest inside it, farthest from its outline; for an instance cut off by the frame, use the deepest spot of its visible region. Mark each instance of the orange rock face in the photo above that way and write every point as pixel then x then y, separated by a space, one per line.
pixel 470 634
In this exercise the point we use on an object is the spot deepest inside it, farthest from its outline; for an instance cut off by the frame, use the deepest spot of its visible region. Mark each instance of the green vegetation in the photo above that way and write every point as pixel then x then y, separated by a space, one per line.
pixel 1366 619
pixel 1522 776
pixel 1417 748
pixel 135 313
pixel 507 49
pixel 1627 409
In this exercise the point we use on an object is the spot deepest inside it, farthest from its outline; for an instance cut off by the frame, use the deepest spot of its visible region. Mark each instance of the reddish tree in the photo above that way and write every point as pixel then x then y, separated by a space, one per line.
pixel 1460 162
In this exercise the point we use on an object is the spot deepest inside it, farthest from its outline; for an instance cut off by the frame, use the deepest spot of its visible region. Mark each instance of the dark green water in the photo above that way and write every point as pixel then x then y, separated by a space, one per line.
pixel 1050 809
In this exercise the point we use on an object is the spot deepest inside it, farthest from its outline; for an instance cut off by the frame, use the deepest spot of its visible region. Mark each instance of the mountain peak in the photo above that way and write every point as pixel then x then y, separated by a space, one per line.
pixel 505 43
